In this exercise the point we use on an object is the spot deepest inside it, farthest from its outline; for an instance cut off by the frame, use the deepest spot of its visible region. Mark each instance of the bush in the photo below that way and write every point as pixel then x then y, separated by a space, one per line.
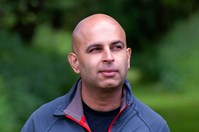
pixel 178 56
pixel 28 78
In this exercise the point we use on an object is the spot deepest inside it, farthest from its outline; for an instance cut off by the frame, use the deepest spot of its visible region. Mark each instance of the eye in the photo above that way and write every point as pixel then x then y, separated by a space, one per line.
pixel 94 50
pixel 117 47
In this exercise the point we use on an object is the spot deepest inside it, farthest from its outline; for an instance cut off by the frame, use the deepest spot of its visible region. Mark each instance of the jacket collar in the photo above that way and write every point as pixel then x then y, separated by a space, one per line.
pixel 71 104
pixel 75 108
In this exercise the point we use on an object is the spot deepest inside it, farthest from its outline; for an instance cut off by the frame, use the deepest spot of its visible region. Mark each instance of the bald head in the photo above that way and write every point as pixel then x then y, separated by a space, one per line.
pixel 100 54
pixel 91 23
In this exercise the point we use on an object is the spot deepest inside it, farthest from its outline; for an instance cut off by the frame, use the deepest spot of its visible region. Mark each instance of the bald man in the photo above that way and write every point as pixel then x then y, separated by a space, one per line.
pixel 101 100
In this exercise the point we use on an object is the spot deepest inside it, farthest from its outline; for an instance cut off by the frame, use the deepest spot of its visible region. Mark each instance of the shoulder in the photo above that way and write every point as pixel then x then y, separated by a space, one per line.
pixel 43 117
pixel 49 108
pixel 149 117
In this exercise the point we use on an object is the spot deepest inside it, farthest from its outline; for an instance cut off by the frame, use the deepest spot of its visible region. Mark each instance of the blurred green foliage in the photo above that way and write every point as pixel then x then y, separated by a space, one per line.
pixel 144 20
pixel 35 37
pixel 178 56
pixel 28 78
pixel 175 93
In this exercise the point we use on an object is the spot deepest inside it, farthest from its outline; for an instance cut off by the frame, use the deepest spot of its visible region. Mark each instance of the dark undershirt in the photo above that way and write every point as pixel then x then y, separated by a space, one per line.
pixel 99 121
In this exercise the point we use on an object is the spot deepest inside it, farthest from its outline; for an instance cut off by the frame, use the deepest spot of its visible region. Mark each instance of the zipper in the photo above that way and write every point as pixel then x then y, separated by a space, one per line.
pixel 111 125
pixel 82 122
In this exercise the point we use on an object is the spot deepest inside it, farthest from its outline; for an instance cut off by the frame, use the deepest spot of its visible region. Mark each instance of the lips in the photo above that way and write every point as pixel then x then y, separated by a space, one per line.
pixel 108 72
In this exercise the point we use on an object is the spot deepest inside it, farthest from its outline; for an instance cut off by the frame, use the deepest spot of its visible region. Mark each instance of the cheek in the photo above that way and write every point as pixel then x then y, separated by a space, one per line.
pixel 88 65
pixel 124 64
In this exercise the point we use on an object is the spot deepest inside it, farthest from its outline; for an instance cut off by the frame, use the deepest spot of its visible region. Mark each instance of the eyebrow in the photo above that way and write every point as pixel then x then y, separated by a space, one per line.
pixel 100 45
pixel 118 41
pixel 91 46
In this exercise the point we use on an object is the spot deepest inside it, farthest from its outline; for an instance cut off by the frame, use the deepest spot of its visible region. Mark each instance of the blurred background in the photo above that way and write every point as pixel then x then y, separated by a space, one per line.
pixel 35 38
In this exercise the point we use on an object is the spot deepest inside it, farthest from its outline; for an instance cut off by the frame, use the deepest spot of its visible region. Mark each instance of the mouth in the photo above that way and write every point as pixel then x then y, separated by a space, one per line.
pixel 108 72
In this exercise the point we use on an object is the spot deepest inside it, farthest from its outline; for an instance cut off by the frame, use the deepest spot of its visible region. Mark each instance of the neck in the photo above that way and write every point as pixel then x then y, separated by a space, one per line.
pixel 102 99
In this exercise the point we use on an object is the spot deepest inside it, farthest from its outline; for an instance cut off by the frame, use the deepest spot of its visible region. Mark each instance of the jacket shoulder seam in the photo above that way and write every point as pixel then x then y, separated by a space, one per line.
pixel 50 126
pixel 137 113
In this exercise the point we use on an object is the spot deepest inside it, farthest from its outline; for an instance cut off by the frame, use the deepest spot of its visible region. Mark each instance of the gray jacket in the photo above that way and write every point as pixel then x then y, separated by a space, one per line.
pixel 65 114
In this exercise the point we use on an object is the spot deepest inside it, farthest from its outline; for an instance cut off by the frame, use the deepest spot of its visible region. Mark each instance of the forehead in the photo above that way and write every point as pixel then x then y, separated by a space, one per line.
pixel 103 31
pixel 97 30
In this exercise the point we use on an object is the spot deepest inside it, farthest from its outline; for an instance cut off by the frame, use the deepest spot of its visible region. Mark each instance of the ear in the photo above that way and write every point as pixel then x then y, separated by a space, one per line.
pixel 129 57
pixel 74 63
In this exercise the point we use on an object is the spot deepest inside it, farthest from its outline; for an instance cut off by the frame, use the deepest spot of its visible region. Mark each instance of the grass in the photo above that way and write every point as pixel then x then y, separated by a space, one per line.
pixel 180 110
pixel 175 97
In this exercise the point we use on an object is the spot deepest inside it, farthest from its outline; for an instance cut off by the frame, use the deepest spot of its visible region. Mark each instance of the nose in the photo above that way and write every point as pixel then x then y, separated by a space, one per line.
pixel 108 56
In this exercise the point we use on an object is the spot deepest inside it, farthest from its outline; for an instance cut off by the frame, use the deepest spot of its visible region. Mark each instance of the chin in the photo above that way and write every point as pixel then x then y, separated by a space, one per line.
pixel 111 84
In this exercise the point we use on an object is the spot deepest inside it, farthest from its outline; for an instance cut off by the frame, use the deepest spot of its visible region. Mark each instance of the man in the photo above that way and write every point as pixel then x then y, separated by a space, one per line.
pixel 101 100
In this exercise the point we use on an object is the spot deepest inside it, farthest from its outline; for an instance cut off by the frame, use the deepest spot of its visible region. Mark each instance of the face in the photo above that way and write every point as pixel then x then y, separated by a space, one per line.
pixel 101 58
